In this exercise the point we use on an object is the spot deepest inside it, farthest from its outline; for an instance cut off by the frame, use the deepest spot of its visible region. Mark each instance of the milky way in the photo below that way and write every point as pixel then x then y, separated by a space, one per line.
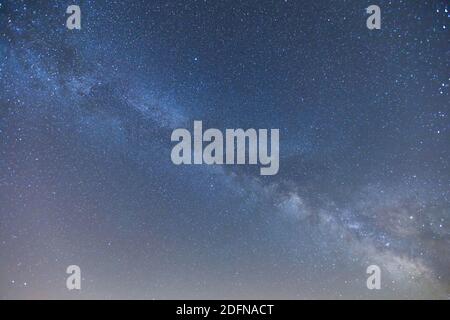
pixel 86 176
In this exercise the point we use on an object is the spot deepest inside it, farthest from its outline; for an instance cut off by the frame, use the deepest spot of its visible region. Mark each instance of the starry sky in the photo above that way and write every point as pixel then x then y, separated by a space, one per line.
pixel 86 176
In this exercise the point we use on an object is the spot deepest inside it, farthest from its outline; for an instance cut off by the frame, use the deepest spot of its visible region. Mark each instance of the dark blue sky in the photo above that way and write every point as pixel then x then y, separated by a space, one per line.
pixel 85 171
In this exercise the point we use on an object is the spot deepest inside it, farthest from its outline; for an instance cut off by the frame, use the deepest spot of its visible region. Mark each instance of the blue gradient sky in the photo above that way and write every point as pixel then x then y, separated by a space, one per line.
pixel 85 171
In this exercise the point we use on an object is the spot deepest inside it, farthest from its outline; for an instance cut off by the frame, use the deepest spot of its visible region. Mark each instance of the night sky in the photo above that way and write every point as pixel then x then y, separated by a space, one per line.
pixel 86 176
